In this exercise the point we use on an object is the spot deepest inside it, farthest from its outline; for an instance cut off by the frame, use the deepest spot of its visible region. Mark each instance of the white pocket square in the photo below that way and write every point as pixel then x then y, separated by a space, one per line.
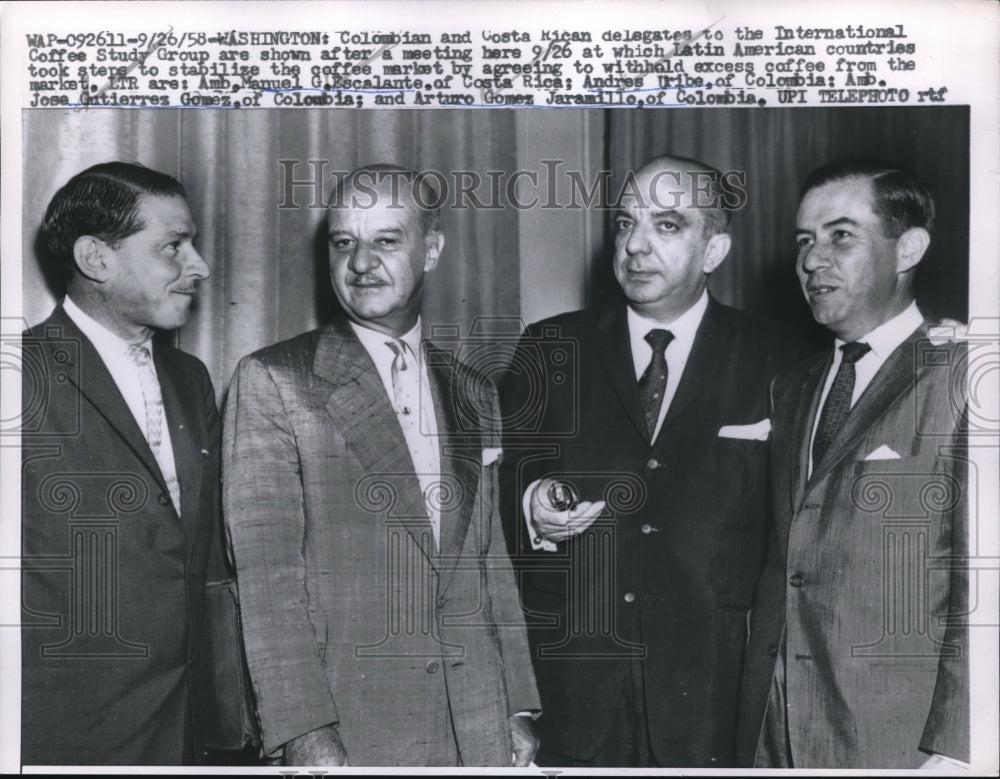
pixel 491 454
pixel 758 431
pixel 883 453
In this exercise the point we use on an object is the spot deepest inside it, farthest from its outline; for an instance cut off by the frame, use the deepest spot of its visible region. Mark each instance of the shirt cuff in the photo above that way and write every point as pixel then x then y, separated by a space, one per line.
pixel 532 714
pixel 952 762
pixel 537 542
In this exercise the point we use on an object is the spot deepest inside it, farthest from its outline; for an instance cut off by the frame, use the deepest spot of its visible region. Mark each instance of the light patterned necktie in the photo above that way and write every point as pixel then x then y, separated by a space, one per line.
pixel 406 400
pixel 404 379
pixel 153 401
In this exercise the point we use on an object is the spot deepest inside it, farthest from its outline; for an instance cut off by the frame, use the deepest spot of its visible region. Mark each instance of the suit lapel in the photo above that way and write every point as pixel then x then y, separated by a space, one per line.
pixel 708 354
pixel 613 346
pixel 360 408
pixel 894 377
pixel 460 453
pixel 187 439
pixel 806 407
pixel 96 385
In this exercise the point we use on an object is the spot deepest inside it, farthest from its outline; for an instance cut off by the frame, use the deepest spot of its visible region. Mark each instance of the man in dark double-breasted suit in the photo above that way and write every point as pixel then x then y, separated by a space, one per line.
pixel 120 447
pixel 654 411
pixel 858 652
pixel 379 607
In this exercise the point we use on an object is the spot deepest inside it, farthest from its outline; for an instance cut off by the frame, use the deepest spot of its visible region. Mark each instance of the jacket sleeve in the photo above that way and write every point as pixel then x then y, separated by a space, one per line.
pixel 947 730
pixel 523 398
pixel 265 523
pixel 522 694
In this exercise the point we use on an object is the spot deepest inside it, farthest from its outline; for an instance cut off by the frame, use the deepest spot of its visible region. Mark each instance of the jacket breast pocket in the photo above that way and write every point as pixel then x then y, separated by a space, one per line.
pixel 734 589
pixel 907 488
pixel 731 468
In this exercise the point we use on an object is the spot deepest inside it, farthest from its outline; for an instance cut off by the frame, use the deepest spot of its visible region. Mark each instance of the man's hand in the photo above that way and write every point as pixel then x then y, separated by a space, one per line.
pixel 560 525
pixel 317 747
pixel 522 734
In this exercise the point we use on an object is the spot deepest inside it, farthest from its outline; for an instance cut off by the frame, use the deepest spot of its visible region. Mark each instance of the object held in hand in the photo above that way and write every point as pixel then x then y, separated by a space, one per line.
pixel 561 495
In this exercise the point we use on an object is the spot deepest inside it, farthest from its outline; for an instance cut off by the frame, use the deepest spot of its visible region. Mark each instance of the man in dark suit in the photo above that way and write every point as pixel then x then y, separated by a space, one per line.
pixel 858 657
pixel 119 483
pixel 654 411
pixel 380 611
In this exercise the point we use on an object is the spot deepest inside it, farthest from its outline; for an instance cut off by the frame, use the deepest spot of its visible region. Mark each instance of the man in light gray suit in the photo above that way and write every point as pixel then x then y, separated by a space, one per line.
pixel 858 650
pixel 380 611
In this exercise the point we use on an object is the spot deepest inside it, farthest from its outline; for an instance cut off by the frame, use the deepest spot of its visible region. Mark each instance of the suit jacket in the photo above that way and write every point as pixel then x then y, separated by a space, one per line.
pixel 861 580
pixel 668 576
pixel 113 579
pixel 350 614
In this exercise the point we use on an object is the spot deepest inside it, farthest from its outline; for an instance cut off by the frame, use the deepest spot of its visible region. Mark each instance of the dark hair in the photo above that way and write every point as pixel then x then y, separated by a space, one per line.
pixel 718 216
pixel 102 201
pixel 420 191
pixel 898 199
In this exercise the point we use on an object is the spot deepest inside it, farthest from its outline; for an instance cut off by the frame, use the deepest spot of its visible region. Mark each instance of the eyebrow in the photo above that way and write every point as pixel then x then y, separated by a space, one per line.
pixel 668 213
pixel 843 220
pixel 382 231
pixel 671 213
pixel 182 233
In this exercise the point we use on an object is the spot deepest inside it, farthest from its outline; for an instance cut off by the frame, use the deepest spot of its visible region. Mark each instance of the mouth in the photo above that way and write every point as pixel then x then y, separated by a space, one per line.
pixel 186 291
pixel 819 290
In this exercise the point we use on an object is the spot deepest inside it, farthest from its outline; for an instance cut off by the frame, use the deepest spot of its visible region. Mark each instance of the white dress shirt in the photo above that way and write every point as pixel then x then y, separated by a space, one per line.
pixel 678 350
pixel 113 351
pixel 420 430
pixel 883 341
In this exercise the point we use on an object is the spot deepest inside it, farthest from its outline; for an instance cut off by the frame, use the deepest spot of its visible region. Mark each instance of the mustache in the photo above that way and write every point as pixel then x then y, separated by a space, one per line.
pixel 367 279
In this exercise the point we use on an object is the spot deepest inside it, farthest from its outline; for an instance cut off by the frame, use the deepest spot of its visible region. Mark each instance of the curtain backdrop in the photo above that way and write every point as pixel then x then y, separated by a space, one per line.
pixel 266 246
pixel 777 148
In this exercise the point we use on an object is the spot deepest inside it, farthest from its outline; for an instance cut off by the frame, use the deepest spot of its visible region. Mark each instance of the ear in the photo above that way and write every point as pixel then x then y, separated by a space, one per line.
pixel 434 243
pixel 910 248
pixel 715 251
pixel 91 257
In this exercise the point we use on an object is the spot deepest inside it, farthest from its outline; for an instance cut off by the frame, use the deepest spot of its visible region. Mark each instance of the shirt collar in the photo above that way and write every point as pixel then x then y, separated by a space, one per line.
pixel 884 339
pixel 374 340
pixel 683 327
pixel 103 339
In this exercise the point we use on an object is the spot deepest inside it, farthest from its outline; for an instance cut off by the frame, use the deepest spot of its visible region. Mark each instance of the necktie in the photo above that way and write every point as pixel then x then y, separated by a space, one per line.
pixel 653 382
pixel 405 384
pixel 423 449
pixel 154 418
pixel 838 401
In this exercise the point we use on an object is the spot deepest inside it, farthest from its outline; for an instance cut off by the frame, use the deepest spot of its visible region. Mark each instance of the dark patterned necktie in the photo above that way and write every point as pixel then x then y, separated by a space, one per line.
pixel 838 402
pixel 653 382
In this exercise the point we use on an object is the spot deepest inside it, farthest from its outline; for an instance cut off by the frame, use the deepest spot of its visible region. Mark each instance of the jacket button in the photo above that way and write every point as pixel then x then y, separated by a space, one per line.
pixel 796 580
pixel 432 667
pixel 652 463
pixel 646 529
pixel 772 649
pixel 629 597
pixel 163 499
pixel 441 602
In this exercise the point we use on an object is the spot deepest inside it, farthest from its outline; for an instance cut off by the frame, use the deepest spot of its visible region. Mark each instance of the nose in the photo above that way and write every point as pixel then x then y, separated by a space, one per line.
pixel 814 257
pixel 637 241
pixel 196 266
pixel 362 260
